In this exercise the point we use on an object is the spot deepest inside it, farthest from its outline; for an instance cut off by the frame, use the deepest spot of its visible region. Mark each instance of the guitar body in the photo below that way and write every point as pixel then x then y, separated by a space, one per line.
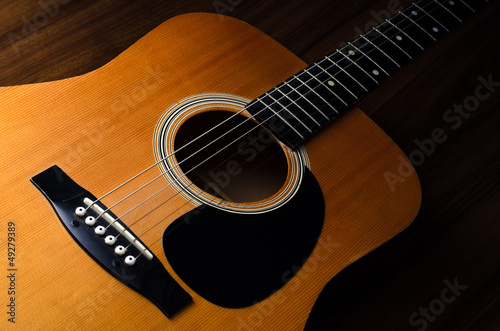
pixel 99 128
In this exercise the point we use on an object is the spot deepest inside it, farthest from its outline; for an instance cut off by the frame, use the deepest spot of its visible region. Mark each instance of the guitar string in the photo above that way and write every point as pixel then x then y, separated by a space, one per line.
pixel 179 207
pixel 178 164
pixel 162 221
pixel 409 24
pixel 235 114
pixel 192 183
pixel 189 201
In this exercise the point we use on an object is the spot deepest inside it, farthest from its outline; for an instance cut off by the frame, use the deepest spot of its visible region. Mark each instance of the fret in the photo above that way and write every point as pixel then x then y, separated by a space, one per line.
pixel 389 63
pixel 428 13
pixel 476 5
pixel 284 105
pixel 317 107
pixel 347 96
pixel 318 93
pixel 349 55
pixel 344 79
pixel 418 34
pixel 449 11
pixel 353 73
pixel 458 8
pixel 401 35
pixel 279 126
pixel 441 14
pixel 365 62
pixel 427 23
pixel 301 105
pixel 400 41
pixel 468 6
pixel 329 82
pixel 298 101
pixel 274 111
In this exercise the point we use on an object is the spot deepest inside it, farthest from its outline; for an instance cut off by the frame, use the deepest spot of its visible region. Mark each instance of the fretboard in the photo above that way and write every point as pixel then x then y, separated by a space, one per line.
pixel 303 104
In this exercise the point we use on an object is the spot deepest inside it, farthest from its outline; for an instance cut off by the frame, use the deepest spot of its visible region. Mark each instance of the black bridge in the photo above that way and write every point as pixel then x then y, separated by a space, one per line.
pixel 109 242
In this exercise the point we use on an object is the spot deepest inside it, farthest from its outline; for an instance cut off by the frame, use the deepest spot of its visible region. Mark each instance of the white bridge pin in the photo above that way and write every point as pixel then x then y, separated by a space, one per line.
pixel 80 211
pixel 110 240
pixel 120 250
pixel 100 230
pixel 130 260
pixel 90 220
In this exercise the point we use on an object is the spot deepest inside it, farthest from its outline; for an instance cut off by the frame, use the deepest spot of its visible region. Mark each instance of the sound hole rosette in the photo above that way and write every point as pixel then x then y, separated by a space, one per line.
pixel 163 143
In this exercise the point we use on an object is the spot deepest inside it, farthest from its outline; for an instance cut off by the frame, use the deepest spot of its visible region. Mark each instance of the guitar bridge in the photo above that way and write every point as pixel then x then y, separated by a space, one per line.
pixel 109 242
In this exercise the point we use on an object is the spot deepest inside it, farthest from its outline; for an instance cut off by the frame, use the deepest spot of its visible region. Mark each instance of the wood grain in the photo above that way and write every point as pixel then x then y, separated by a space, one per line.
pixel 456 232
pixel 100 134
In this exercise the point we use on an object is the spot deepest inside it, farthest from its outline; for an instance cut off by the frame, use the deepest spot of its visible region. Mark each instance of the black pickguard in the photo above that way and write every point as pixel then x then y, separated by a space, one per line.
pixel 236 260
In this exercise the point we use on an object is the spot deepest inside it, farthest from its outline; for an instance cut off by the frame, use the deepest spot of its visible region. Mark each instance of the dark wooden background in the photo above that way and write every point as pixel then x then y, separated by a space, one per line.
pixel 456 236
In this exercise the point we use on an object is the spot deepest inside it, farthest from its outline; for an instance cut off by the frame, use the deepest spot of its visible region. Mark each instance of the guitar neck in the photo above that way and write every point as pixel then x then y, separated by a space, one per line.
pixel 304 103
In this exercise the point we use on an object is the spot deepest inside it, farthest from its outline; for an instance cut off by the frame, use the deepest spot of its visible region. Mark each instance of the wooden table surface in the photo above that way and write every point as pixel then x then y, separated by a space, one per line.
pixel 455 241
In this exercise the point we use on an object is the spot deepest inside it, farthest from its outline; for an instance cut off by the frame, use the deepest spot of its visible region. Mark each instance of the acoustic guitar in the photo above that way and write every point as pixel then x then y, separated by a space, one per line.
pixel 205 179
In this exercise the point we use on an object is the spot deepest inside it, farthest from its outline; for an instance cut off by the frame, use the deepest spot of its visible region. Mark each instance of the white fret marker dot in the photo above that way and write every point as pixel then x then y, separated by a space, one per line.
pixel 435 29
pixel 399 38
pixel 331 83
pixel 351 52
pixel 414 13
pixel 451 2
pixel 376 72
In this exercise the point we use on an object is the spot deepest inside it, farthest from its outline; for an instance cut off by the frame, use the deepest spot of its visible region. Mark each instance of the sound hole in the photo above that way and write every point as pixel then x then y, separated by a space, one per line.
pixel 230 157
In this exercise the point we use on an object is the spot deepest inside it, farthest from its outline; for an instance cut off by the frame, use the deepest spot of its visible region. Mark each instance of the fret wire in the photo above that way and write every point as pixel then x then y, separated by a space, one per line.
pixel 375 28
pixel 418 25
pixel 364 88
pixel 323 83
pixel 449 11
pixel 465 3
pixel 289 112
pixel 302 109
pixel 333 92
pixel 333 77
pixel 416 5
pixel 370 59
pixel 459 9
pixel 405 32
pixel 314 77
pixel 367 56
pixel 360 68
pixel 390 58
pixel 303 97
pixel 293 101
pixel 387 39
pixel 279 116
